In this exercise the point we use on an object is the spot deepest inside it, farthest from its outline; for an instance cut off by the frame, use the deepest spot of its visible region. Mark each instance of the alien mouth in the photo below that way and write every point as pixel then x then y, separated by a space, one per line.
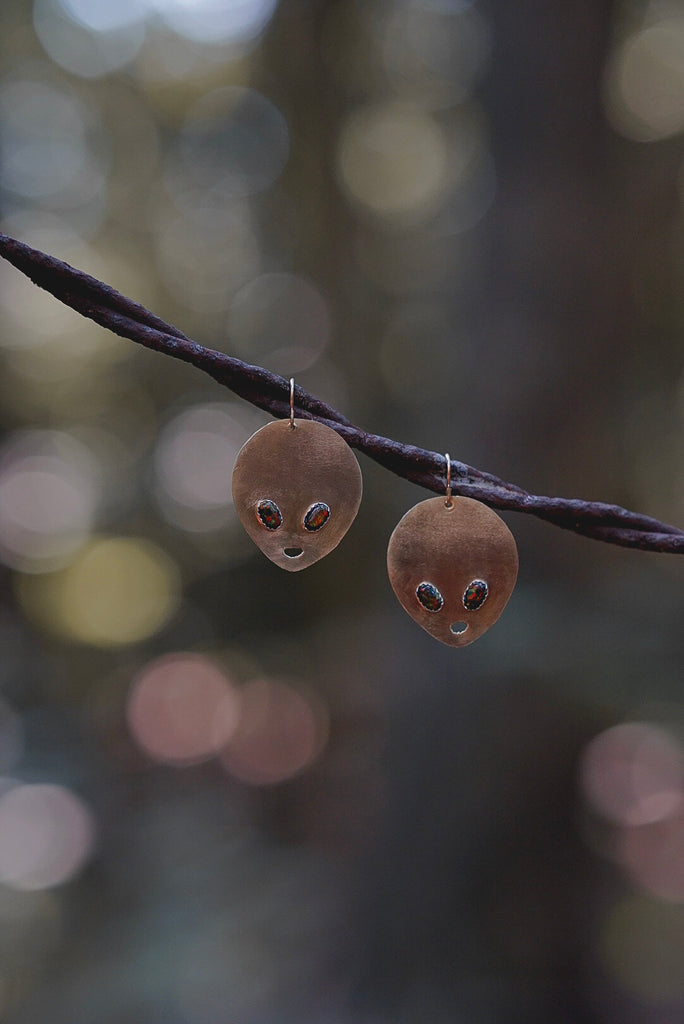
pixel 293 552
pixel 458 627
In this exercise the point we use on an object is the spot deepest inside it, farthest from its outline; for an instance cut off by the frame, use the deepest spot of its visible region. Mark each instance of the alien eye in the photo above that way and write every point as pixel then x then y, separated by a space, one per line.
pixel 475 595
pixel 316 517
pixel 429 596
pixel 268 514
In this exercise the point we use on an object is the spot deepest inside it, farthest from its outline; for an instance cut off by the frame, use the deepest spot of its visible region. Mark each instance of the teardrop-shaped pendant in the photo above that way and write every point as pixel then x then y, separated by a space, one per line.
pixel 296 488
pixel 453 565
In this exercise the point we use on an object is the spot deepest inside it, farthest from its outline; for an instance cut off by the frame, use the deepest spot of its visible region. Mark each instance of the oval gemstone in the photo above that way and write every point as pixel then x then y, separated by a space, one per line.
pixel 429 596
pixel 316 517
pixel 475 595
pixel 268 514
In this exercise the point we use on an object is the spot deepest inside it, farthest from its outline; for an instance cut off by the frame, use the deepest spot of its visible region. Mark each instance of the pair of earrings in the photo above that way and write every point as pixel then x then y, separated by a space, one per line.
pixel 452 562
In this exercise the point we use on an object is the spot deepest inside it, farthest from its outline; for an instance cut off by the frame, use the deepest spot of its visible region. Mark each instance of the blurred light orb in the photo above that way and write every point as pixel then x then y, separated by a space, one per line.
pixel 216 21
pixel 633 774
pixel 193 465
pixel 117 591
pixel 435 52
pixel 106 15
pixel 393 160
pixel 654 857
pixel 279 320
pixel 644 89
pixel 89 39
pixel 280 732
pixel 471 168
pixel 44 512
pixel 642 946
pixel 46 836
pixel 46 144
pixel 48 497
pixel 234 140
pixel 181 707
pixel 169 62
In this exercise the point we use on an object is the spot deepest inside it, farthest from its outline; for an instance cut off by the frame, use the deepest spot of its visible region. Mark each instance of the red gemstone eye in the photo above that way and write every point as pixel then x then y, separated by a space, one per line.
pixel 268 514
pixel 317 516
pixel 429 596
pixel 475 595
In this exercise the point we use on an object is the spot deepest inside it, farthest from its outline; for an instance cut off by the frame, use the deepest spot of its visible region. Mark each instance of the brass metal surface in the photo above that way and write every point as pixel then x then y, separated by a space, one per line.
pixel 296 469
pixel 450 548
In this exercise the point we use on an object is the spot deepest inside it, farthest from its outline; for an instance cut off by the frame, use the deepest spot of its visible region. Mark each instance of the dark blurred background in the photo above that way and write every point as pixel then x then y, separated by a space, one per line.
pixel 233 795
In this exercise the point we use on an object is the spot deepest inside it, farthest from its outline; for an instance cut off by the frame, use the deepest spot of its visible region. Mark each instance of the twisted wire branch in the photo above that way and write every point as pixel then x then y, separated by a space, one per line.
pixel 107 307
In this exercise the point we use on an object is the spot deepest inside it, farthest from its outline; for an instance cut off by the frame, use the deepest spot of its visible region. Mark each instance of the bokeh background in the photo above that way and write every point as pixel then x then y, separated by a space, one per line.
pixel 233 795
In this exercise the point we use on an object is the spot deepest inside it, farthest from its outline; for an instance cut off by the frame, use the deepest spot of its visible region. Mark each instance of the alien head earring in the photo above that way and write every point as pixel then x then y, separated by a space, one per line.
pixel 452 563
pixel 297 489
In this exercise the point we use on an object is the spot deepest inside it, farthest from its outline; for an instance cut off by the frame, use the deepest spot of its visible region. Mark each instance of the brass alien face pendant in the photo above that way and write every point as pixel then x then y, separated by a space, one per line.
pixel 453 568
pixel 296 491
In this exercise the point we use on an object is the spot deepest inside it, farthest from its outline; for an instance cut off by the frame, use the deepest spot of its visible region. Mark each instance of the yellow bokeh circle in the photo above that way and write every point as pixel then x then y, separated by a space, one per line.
pixel 117 591
pixel 393 160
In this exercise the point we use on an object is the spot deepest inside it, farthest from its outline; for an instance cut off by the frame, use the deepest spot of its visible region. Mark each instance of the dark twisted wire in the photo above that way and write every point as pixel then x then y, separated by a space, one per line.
pixel 107 307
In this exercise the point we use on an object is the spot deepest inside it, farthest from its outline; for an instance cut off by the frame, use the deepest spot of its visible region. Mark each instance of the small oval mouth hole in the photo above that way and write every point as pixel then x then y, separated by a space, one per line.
pixel 293 552
pixel 458 627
